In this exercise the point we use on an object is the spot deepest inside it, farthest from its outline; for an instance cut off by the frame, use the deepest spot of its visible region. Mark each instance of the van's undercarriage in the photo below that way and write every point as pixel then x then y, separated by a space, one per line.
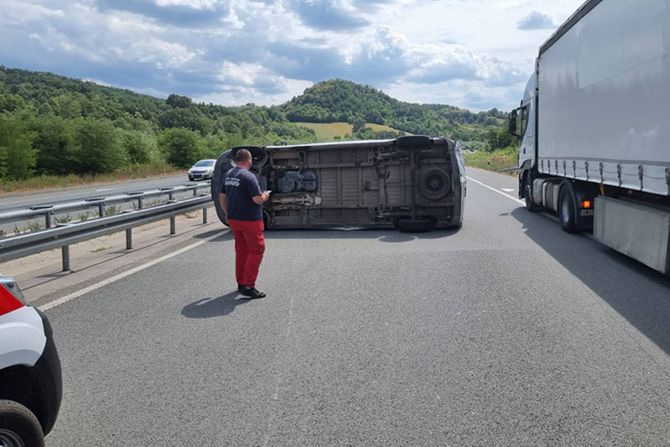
pixel 411 183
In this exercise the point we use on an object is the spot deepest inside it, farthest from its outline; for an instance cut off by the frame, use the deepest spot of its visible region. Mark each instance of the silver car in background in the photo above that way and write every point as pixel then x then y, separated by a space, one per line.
pixel 202 170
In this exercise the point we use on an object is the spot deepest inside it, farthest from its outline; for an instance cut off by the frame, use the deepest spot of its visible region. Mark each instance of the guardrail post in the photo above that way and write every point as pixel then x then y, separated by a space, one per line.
pixel 170 195
pixel 129 238
pixel 101 209
pixel 204 215
pixel 173 225
pixel 65 254
pixel 49 219
pixel 140 203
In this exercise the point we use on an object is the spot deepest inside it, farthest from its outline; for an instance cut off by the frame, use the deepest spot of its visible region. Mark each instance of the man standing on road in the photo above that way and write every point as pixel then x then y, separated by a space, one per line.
pixel 242 201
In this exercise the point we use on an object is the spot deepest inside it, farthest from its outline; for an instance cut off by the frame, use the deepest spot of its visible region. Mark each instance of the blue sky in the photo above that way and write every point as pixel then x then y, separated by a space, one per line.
pixel 476 54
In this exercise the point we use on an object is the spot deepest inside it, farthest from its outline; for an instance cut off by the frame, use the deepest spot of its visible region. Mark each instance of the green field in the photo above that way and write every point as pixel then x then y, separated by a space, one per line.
pixel 333 131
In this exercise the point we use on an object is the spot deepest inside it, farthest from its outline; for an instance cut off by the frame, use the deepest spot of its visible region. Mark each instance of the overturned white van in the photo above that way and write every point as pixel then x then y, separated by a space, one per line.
pixel 412 183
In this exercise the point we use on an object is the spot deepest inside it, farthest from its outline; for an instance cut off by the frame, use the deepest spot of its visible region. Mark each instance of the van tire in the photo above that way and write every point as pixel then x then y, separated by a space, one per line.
pixel 413 141
pixel 418 225
pixel 19 423
pixel 434 183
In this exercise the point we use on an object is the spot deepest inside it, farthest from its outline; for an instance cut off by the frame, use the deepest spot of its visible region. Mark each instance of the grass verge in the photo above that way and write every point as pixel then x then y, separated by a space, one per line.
pixel 493 161
pixel 53 181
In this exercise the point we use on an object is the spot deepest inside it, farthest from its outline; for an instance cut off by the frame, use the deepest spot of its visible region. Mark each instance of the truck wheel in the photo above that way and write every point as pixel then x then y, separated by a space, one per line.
pixel 528 195
pixel 18 426
pixel 418 225
pixel 566 211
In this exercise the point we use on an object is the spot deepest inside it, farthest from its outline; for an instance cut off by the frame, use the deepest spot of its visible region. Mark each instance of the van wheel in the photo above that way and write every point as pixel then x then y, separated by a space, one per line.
pixel 434 183
pixel 18 426
pixel 413 141
pixel 566 211
pixel 418 225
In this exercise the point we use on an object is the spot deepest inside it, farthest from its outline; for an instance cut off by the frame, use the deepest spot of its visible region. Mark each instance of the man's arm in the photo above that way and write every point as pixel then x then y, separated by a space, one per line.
pixel 261 198
pixel 224 203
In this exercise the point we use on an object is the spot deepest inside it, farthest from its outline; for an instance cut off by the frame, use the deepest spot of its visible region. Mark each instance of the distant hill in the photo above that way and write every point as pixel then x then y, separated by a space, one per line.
pixel 53 125
pixel 345 101
pixel 342 130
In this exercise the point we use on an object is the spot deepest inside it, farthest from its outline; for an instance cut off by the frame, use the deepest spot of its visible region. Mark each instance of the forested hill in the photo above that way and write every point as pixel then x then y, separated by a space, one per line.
pixel 50 94
pixel 52 125
pixel 339 100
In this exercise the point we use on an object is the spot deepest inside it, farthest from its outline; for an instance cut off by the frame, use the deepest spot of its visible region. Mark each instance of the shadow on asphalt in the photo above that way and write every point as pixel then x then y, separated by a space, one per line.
pixel 641 295
pixel 214 307
pixel 381 235
pixel 223 237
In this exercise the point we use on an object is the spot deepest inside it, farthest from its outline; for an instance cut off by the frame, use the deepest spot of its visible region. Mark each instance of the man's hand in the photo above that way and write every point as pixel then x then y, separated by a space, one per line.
pixel 261 198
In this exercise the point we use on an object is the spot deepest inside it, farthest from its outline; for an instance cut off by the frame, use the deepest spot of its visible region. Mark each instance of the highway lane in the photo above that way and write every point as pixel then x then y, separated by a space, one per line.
pixel 507 332
pixel 23 200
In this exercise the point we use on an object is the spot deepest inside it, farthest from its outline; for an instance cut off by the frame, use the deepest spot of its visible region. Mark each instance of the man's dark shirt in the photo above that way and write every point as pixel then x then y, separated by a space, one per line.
pixel 239 186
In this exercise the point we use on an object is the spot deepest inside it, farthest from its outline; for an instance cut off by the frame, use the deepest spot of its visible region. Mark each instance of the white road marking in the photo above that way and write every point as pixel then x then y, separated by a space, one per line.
pixel 507 189
pixel 103 189
pixel 521 202
pixel 139 268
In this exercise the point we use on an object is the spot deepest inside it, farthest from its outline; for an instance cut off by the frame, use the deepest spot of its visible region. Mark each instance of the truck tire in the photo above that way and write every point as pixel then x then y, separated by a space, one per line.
pixel 418 225
pixel 567 213
pixel 528 195
pixel 18 426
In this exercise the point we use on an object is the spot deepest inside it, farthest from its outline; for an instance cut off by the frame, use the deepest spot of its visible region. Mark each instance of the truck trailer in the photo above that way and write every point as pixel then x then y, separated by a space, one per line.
pixel 594 126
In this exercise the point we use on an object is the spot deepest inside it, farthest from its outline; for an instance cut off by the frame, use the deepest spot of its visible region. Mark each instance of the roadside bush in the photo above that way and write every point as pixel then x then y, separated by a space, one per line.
pixel 182 147
pixel 140 147
pixel 54 142
pixel 98 146
pixel 17 155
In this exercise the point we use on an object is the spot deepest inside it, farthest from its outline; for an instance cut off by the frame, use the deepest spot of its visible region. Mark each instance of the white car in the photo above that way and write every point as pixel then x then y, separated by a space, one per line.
pixel 202 170
pixel 30 371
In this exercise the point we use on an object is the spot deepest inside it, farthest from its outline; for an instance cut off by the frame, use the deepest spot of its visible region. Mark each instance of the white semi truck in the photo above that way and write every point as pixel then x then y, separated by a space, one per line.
pixel 594 126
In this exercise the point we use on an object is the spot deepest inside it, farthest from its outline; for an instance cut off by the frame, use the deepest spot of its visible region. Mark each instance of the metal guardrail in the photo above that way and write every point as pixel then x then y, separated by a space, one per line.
pixel 48 211
pixel 64 235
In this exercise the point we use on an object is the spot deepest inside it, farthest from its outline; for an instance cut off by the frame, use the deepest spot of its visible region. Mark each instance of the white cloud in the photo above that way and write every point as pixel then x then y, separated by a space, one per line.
pixel 535 21
pixel 467 53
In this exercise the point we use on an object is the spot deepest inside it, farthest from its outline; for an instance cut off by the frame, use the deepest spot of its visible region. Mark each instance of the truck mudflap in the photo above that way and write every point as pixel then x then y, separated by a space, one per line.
pixel 636 230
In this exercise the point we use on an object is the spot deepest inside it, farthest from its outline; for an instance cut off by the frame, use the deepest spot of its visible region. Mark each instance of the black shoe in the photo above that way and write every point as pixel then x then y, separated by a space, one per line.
pixel 251 293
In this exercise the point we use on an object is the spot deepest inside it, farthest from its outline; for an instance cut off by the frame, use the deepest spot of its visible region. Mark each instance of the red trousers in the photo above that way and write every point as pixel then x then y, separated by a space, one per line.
pixel 249 249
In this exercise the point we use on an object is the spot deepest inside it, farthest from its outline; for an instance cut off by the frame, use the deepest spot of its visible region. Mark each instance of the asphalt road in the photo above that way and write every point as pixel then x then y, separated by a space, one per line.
pixel 15 201
pixel 507 332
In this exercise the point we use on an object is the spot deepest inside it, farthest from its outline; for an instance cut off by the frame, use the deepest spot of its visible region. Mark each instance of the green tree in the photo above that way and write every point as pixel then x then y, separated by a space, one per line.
pixel 17 155
pixel 54 142
pixel 11 103
pixel 182 147
pixel 140 147
pixel 98 146
pixel 498 138
pixel 179 102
